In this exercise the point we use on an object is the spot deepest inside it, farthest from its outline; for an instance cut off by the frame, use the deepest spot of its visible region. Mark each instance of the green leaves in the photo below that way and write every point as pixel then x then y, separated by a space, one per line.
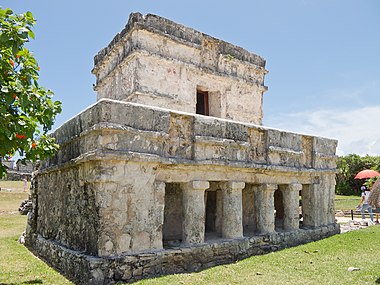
pixel 27 111
pixel 349 166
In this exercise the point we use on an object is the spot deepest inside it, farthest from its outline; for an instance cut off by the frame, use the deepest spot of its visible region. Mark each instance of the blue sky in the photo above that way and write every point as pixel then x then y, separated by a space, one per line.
pixel 323 56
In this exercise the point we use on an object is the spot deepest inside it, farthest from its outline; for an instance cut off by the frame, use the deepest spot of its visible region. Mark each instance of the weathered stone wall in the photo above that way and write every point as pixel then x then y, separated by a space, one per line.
pixel 66 210
pixel 85 269
pixel 104 191
pixel 160 67
pixel 318 201
pixel 127 127
pixel 162 83
pixel 131 208
pixel 102 208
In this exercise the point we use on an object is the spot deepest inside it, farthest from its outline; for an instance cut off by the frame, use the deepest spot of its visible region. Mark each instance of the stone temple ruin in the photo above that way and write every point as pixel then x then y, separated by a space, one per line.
pixel 171 170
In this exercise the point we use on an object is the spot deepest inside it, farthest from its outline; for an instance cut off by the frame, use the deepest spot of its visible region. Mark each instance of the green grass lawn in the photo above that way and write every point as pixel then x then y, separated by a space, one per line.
pixel 346 202
pixel 11 195
pixel 17 264
pixel 322 262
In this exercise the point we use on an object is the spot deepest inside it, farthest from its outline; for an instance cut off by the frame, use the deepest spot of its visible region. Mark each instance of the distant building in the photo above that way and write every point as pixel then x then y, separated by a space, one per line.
pixel 17 171
pixel 28 167
pixel 9 164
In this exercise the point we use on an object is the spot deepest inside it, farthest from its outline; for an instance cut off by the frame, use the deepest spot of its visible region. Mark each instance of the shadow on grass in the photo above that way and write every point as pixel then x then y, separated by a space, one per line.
pixel 35 281
pixel 377 281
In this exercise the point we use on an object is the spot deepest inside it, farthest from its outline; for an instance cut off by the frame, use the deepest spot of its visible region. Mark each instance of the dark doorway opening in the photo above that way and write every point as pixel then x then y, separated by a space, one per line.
pixel 172 227
pixel 214 215
pixel 249 216
pixel 279 208
pixel 210 211
pixel 202 106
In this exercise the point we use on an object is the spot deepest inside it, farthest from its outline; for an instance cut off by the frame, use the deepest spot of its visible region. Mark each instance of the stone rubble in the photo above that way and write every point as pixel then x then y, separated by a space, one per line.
pixel 25 207
pixel 353 225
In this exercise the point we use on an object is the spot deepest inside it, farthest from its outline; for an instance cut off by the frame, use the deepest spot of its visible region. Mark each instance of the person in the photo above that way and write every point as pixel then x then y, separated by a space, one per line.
pixel 25 183
pixel 374 199
pixel 365 206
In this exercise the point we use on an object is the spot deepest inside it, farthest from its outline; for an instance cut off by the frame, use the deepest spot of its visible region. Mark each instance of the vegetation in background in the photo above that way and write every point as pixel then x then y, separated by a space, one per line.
pixel 27 110
pixel 348 167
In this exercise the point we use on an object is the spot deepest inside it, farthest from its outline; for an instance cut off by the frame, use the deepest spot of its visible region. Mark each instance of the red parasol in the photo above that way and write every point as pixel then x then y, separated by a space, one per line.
pixel 367 173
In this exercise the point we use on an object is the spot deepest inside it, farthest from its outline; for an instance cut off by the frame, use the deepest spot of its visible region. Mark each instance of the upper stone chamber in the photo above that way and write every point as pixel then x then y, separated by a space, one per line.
pixel 157 62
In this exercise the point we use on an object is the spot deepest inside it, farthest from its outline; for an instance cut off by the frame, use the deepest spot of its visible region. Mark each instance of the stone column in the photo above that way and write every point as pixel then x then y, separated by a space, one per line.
pixel 193 227
pixel 264 206
pixel 331 200
pixel 290 194
pixel 310 205
pixel 158 218
pixel 232 209
pixel 321 201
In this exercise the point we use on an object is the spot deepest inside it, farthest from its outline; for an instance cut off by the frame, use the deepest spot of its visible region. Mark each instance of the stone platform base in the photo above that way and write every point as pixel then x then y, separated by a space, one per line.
pixel 86 269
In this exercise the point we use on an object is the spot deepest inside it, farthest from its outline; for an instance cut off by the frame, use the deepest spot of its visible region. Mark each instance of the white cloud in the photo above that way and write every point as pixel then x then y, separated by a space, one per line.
pixel 357 130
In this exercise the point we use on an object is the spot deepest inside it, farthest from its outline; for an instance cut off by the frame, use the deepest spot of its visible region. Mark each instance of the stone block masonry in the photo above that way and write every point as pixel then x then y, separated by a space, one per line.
pixel 157 62
pixel 171 170
pixel 86 269
pixel 106 193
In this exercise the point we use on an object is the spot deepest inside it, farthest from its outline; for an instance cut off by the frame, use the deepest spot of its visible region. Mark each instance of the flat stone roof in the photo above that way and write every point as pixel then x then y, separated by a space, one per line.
pixel 178 32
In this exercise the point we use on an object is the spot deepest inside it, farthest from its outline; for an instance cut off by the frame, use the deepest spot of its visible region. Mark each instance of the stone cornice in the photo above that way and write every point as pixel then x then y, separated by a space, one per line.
pixel 170 137
pixel 127 57
pixel 176 32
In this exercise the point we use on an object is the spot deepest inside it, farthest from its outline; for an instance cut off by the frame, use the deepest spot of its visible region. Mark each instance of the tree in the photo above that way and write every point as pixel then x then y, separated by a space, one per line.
pixel 27 110
pixel 348 167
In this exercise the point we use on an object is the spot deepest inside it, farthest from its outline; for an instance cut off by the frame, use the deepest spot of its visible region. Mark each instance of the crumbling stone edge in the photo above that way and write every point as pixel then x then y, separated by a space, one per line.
pixel 85 269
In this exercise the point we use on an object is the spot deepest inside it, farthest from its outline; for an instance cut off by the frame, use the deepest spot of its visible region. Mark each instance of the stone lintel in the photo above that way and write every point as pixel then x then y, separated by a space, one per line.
pixel 294 187
pixel 232 185
pixel 236 184
pixel 197 185
pixel 268 187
